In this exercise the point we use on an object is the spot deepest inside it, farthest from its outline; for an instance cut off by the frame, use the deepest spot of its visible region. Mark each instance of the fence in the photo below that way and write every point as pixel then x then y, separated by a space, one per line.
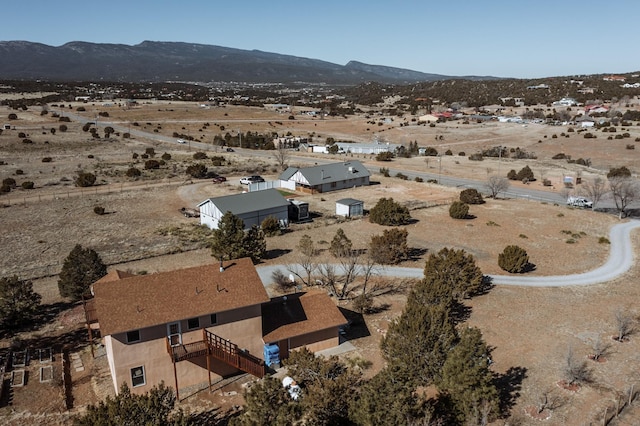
pixel 9 200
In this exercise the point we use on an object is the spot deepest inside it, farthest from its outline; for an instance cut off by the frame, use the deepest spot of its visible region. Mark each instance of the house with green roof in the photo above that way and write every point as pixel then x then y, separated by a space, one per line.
pixel 327 177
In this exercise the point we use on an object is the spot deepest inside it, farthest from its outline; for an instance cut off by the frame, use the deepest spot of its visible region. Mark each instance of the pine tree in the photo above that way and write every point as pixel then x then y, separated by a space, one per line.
pixel 268 403
pixel 79 271
pixel 455 269
pixel 254 244
pixel 227 241
pixel 417 343
pixel 152 408
pixel 18 302
pixel 468 381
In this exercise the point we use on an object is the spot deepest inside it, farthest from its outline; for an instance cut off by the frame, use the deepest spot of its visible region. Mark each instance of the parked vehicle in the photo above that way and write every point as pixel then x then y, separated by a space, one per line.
pixel 579 202
pixel 247 180
pixel 181 141
pixel 219 179
pixel 231 150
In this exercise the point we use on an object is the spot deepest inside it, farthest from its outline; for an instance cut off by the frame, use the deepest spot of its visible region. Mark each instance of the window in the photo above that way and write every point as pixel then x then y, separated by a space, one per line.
pixel 137 376
pixel 193 323
pixel 133 336
pixel 214 319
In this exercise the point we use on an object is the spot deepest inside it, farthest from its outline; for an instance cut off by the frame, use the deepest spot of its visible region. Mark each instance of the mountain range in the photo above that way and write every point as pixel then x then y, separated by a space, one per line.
pixel 152 61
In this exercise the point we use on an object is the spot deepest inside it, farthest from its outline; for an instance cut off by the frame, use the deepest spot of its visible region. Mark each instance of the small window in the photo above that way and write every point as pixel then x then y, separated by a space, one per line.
pixel 214 319
pixel 193 323
pixel 133 336
pixel 137 376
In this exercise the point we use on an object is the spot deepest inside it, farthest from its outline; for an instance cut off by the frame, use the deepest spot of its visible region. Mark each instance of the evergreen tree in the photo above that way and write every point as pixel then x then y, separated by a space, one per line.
pixel 386 400
pixel 456 270
pixel 227 241
pixel 254 244
pixel 340 245
pixel 79 271
pixel 391 247
pixel 18 302
pixel 268 403
pixel 127 409
pixel 388 212
pixel 417 343
pixel 467 380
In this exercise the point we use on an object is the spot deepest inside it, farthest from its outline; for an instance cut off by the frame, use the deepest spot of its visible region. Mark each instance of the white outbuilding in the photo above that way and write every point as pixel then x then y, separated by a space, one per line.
pixel 349 207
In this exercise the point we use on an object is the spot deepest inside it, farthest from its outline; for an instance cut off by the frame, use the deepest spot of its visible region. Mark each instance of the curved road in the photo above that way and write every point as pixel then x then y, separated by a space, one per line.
pixel 620 261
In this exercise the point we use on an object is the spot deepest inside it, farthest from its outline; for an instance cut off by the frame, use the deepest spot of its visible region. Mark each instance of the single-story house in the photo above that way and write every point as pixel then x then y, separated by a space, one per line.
pixel 327 177
pixel 310 320
pixel 251 207
pixel 428 118
pixel 349 207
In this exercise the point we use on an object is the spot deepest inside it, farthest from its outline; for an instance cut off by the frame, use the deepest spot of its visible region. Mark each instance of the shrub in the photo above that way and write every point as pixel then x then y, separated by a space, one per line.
pixel 525 173
pixel 11 182
pixel 471 196
pixel 418 179
pixel 166 156
pixel 19 171
pixel 198 171
pixel 384 156
pixel 151 164
pixel 384 171
pixel 546 182
pixel 391 247
pixel 133 172
pixel 199 156
pixel 81 108
pixel 99 210
pixel 150 152
pixel 604 240
pixel 270 226
pixel 64 119
pixel 13 116
pixel 476 157
pixel 62 128
pixel 401 176
pixel 103 114
pixel 85 179
pixel 27 185
pixel 388 212
pixel 514 259
pixel 5 188
pixel 22 135
pixel 47 159
pixel 512 175
pixel 458 210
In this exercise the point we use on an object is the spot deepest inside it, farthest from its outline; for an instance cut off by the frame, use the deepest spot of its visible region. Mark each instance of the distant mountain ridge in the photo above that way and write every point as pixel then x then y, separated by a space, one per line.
pixel 153 61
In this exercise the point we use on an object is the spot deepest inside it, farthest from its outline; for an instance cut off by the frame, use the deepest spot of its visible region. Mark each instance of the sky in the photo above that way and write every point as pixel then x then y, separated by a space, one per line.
pixel 517 38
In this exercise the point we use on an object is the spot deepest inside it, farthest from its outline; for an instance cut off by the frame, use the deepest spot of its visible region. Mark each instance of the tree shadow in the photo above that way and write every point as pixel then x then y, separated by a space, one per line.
pixel 485 287
pixel 530 267
pixel 379 308
pixel 509 386
pixel 416 253
pixel 274 253
pixel 46 314
pixel 213 416
pixel 460 312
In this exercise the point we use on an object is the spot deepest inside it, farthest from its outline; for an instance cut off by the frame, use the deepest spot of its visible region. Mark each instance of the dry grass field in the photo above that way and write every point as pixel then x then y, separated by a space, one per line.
pixel 144 231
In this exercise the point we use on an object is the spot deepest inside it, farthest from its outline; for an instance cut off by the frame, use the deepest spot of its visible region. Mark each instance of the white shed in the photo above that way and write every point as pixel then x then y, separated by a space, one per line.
pixel 349 207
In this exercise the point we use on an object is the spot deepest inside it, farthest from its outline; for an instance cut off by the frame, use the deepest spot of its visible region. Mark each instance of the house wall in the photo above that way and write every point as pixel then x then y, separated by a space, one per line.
pixel 210 215
pixel 344 184
pixel 241 326
pixel 256 217
pixel 316 341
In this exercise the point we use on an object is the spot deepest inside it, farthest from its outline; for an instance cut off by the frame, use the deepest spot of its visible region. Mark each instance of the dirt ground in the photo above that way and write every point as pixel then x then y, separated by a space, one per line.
pixel 145 232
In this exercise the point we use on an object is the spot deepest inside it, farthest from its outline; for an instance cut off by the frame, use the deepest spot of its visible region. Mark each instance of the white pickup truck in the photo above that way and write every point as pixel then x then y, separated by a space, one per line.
pixel 579 202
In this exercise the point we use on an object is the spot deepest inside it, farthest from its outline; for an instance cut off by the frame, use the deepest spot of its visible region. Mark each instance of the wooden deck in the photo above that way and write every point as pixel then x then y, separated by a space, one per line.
pixel 220 349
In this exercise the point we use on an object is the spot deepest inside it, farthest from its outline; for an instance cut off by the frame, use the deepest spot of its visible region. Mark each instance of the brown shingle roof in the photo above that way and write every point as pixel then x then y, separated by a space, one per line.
pixel 115 275
pixel 146 300
pixel 302 313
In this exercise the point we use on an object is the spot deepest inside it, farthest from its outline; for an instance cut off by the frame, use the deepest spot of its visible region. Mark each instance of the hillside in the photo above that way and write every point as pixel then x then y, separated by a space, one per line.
pixel 152 61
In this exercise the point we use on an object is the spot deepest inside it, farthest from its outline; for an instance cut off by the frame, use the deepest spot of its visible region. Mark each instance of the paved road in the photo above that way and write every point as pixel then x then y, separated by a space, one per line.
pixel 620 261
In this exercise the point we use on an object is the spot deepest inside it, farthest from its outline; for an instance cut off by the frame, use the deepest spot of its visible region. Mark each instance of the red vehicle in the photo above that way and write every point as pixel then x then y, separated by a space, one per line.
pixel 219 179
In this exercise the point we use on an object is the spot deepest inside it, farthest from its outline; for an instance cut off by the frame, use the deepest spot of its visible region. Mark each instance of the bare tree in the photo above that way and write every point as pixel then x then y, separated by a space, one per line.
pixel 624 324
pixel 282 155
pixel 599 348
pixel 496 185
pixel 576 371
pixel 547 399
pixel 594 189
pixel 306 260
pixel 624 190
